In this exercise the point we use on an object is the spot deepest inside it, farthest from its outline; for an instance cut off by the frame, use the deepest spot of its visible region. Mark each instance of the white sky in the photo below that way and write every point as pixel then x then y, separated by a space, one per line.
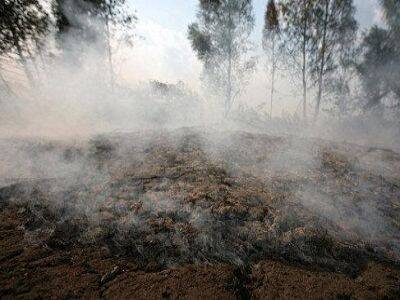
pixel 177 14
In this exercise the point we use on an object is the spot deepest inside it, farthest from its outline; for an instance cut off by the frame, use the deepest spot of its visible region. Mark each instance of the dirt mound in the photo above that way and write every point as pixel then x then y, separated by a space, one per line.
pixel 135 215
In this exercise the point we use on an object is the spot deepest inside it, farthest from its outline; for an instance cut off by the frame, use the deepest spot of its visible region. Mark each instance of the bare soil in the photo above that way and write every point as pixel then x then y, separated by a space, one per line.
pixel 194 214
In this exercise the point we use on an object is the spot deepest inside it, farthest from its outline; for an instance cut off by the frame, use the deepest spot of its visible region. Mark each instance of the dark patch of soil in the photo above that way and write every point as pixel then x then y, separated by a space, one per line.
pixel 191 214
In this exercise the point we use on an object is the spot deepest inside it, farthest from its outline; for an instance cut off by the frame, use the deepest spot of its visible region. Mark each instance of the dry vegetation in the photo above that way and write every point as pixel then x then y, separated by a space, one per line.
pixel 193 213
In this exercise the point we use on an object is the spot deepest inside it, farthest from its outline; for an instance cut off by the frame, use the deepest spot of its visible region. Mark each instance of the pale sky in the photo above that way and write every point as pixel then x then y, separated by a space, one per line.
pixel 177 14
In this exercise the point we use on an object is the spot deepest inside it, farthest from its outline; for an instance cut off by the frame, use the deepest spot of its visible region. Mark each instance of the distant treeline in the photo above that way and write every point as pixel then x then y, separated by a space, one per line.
pixel 316 45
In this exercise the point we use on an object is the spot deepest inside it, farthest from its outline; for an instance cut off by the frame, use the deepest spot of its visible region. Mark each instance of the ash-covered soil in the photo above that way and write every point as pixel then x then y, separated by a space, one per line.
pixel 197 213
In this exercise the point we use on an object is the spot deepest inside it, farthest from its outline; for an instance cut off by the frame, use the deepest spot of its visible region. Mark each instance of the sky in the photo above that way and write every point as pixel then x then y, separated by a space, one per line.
pixel 164 53
pixel 177 14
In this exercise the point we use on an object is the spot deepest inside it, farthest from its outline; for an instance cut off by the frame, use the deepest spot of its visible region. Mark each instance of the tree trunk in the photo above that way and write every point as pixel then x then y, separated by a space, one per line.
pixel 5 84
pixel 273 74
pixel 109 53
pixel 304 68
pixel 322 65
pixel 229 88
pixel 228 101
pixel 35 66
pixel 42 61
pixel 23 60
pixel 25 66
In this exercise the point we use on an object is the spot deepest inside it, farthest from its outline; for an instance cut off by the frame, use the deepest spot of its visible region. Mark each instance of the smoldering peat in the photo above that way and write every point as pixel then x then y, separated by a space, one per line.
pixel 182 196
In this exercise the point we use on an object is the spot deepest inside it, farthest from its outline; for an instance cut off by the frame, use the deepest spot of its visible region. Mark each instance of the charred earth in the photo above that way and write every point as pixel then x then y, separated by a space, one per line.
pixel 193 213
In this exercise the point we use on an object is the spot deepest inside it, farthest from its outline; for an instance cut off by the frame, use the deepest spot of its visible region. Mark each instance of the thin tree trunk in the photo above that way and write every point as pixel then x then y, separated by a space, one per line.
pixel 42 61
pixel 273 74
pixel 109 53
pixel 25 66
pixel 304 68
pixel 5 84
pixel 322 65
pixel 229 85
pixel 35 66
pixel 23 60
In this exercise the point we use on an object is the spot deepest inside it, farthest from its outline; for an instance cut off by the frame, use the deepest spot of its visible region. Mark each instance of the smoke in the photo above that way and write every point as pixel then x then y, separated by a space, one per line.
pixel 153 170
pixel 189 195
pixel 161 54
pixel 74 96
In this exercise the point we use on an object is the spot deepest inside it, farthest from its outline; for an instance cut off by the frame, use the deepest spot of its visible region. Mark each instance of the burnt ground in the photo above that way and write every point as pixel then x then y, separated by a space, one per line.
pixel 199 214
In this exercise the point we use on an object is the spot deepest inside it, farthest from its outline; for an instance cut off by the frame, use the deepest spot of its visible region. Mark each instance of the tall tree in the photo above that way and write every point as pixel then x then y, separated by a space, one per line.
pixel 379 69
pixel 117 19
pixel 335 31
pixel 298 40
pixel 271 33
pixel 76 25
pixel 221 39
pixel 391 9
pixel 373 68
pixel 93 22
pixel 342 87
pixel 22 22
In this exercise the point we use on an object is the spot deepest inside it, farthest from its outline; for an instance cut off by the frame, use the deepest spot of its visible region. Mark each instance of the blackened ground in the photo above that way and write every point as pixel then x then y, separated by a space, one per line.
pixel 203 214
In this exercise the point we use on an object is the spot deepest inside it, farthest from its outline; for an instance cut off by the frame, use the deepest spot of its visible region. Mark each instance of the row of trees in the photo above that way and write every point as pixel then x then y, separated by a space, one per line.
pixel 25 27
pixel 314 42
pixel 316 39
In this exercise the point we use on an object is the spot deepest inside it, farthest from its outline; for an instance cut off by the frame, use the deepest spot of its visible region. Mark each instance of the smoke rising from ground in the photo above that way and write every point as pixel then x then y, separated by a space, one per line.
pixel 107 166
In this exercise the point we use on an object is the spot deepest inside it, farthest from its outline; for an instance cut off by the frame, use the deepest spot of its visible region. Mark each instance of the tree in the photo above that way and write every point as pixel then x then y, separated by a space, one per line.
pixel 89 22
pixel 22 24
pixel 76 26
pixel 379 69
pixel 221 39
pixel 391 9
pixel 271 33
pixel 342 88
pixel 298 40
pixel 333 39
pixel 116 17
pixel 377 55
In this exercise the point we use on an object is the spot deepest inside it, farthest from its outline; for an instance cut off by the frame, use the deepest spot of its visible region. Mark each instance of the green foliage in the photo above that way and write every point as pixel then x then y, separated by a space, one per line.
pixel 270 40
pixel 72 19
pixel 319 38
pixel 320 28
pixel 340 34
pixel 271 30
pixel 200 41
pixel 379 69
pixel 22 22
pixel 297 43
pixel 89 20
pixel 391 9
pixel 116 16
pixel 334 46
pixel 221 39
pixel 377 55
pixel 297 17
pixel 271 18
